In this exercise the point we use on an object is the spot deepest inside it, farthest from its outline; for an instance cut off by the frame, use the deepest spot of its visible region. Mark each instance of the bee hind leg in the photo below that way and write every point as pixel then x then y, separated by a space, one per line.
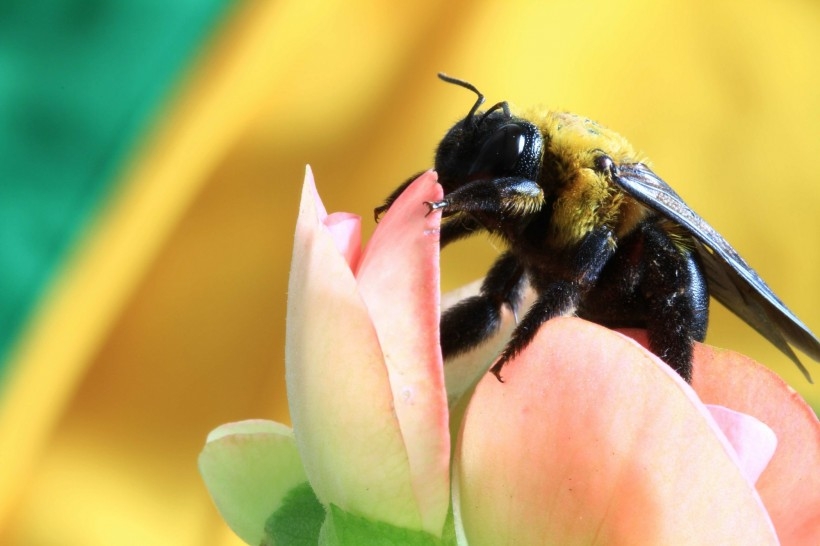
pixel 678 300
pixel 471 321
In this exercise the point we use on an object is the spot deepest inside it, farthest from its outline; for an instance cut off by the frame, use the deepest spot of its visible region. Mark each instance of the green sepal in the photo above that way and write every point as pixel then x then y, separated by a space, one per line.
pixel 344 529
pixel 303 521
pixel 298 521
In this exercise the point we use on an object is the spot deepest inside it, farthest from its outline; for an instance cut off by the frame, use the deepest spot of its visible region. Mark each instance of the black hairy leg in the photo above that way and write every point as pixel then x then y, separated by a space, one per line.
pixel 559 299
pixel 677 301
pixel 496 197
pixel 471 321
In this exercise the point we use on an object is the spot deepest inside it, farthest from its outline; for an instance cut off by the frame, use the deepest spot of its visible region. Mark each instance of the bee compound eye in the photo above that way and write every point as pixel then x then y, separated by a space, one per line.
pixel 501 151
pixel 514 143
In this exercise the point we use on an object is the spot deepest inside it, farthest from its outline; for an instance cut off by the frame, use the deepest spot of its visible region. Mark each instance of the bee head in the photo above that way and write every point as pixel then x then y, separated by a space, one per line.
pixel 487 145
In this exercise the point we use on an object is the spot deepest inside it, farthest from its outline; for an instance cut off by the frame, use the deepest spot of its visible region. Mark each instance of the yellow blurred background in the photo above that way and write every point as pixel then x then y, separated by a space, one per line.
pixel 170 316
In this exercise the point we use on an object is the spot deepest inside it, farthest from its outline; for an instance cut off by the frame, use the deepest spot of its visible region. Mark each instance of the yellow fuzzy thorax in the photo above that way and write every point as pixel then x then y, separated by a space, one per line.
pixel 585 198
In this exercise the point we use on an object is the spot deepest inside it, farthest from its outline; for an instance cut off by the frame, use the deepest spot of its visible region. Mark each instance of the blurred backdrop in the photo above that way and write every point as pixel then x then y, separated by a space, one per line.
pixel 151 157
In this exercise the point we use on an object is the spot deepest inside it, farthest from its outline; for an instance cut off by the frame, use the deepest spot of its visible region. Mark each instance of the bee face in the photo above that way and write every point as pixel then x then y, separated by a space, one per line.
pixel 594 232
pixel 495 144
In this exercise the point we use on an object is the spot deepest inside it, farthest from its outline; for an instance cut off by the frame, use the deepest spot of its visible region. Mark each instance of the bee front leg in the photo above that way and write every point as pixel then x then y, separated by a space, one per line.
pixel 378 211
pixel 509 196
pixel 471 321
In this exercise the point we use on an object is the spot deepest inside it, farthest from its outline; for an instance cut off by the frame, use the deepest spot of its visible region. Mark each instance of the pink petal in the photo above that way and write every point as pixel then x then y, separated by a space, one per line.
pixel 339 394
pixel 790 485
pixel 754 442
pixel 399 281
pixel 344 227
pixel 346 230
pixel 592 440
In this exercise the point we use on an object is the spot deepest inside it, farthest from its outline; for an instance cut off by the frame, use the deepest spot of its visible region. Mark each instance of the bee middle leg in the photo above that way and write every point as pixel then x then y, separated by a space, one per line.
pixel 471 321
pixel 560 298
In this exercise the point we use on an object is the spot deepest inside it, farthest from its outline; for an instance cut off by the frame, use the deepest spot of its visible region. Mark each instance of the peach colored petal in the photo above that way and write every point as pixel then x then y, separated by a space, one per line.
pixel 399 281
pixel 592 440
pixel 338 389
pixel 753 441
pixel 790 485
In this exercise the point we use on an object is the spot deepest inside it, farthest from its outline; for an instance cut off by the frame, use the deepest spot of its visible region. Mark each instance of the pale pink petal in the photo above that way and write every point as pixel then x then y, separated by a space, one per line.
pixel 593 440
pixel 754 442
pixel 338 390
pixel 399 282
pixel 248 468
pixel 790 485
pixel 344 227
pixel 346 230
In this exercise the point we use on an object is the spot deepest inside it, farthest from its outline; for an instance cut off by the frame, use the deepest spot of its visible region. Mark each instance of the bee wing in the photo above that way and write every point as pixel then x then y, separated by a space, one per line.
pixel 731 281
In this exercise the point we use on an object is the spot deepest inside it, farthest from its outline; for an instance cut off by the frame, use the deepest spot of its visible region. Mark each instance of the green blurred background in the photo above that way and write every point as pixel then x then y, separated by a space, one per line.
pixel 151 157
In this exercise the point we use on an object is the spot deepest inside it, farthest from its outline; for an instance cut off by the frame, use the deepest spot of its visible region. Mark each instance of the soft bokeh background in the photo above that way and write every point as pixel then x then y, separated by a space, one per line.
pixel 163 314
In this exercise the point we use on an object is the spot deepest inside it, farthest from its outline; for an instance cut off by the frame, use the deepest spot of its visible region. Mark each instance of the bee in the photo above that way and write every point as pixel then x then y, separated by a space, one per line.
pixel 595 233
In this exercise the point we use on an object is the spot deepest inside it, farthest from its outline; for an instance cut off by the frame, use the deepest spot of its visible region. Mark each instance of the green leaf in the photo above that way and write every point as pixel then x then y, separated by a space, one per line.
pixel 298 521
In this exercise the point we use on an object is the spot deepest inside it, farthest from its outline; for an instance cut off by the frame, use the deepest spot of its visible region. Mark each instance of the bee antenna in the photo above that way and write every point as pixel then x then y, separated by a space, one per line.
pixel 466 85
pixel 502 105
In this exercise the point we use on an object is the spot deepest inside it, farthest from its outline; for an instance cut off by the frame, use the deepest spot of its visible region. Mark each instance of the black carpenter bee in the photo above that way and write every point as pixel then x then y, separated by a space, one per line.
pixel 595 232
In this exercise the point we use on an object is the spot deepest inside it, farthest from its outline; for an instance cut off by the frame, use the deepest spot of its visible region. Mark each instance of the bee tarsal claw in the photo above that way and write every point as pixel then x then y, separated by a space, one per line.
pixel 435 205
pixel 496 370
